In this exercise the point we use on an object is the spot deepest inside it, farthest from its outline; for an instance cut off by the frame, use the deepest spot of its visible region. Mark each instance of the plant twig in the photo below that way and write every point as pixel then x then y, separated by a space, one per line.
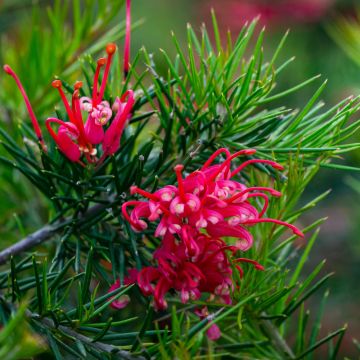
pixel 45 233
pixel 99 346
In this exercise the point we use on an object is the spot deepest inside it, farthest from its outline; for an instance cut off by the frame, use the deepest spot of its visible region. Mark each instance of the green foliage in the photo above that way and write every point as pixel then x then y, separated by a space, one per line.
pixel 59 35
pixel 210 97
pixel 346 32
pixel 16 339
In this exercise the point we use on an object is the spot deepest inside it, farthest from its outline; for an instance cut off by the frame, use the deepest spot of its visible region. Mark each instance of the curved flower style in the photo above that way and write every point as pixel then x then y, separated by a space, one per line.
pixel 74 138
pixel 195 219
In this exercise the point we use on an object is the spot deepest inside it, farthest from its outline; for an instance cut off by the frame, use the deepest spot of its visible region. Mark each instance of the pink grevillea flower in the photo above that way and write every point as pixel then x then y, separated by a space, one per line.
pixel 208 200
pixel 196 221
pixel 77 139
pixel 175 271
pixel 210 272
pixel 82 139
pixel 123 300
pixel 213 332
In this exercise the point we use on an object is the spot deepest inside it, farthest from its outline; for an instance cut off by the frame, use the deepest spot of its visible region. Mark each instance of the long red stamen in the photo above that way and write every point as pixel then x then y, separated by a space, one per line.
pixel 127 39
pixel 166 266
pixel 266 203
pixel 222 249
pixel 110 49
pixel 100 63
pixel 58 85
pixel 77 111
pixel 30 110
pixel 178 170
pixel 214 156
pixel 125 213
pixel 88 157
pixel 253 262
pixel 274 164
pixel 240 270
pixel 293 228
pixel 232 157
pixel 136 190
pixel 57 121
pixel 50 129
pixel 272 192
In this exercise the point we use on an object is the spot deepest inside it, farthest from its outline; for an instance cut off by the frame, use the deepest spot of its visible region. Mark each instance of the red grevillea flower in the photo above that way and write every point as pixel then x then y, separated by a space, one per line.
pixel 195 219
pixel 78 140
pixel 123 300
pixel 210 272
pixel 208 200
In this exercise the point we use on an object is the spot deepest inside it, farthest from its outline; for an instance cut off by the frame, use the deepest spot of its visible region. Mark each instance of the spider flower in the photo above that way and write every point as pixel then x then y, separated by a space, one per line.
pixel 123 300
pixel 75 138
pixel 209 273
pixel 209 200
pixel 195 220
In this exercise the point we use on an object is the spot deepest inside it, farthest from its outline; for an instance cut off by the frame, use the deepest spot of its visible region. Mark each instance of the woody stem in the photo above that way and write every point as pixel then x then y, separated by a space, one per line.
pixel 47 232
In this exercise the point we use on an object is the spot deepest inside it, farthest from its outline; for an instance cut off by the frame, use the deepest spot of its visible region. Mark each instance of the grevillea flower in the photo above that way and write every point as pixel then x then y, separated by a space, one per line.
pixel 75 138
pixel 196 221
pixel 208 200
pixel 210 272
pixel 123 300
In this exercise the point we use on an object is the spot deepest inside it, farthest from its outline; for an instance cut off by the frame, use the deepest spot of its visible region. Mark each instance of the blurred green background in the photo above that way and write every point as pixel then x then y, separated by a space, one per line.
pixel 313 23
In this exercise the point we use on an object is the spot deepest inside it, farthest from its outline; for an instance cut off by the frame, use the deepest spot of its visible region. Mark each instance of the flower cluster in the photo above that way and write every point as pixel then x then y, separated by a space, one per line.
pixel 196 219
pixel 78 140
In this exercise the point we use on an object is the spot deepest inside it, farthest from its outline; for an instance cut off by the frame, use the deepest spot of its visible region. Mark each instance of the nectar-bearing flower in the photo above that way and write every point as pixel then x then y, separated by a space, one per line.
pixel 99 135
pixel 208 200
pixel 212 272
pixel 196 221
pixel 75 138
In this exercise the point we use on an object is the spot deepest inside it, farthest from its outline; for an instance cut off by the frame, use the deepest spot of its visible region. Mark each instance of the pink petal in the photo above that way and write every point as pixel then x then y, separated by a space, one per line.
pixel 213 333
pixel 121 302
pixel 94 133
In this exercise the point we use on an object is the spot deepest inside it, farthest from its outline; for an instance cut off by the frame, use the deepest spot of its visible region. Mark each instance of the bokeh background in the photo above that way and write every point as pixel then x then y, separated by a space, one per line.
pixel 324 36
